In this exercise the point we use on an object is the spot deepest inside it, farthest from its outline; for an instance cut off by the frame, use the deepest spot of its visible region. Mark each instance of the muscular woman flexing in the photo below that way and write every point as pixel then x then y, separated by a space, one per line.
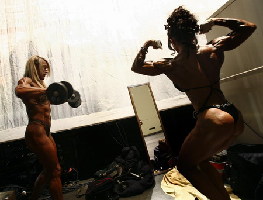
pixel 196 71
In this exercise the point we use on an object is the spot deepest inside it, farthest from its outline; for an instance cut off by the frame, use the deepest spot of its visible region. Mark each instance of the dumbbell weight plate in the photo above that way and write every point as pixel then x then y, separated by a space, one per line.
pixel 57 93
pixel 74 101
pixel 69 87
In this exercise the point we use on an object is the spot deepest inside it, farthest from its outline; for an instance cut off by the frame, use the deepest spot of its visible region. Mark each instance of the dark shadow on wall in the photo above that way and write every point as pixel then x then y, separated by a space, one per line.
pixel 177 123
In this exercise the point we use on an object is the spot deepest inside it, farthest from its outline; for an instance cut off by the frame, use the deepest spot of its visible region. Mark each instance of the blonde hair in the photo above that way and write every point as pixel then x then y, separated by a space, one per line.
pixel 31 70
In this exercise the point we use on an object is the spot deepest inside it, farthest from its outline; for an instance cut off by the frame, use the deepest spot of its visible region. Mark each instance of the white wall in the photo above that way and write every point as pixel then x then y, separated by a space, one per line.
pixel 244 91
pixel 92 45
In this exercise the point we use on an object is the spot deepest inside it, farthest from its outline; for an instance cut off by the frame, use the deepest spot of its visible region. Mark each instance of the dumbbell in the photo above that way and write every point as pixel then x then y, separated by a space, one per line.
pixel 61 92
pixel 74 101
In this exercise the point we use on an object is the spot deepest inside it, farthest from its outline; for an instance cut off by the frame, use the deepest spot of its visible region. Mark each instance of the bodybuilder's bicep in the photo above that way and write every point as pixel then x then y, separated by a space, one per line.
pixel 231 40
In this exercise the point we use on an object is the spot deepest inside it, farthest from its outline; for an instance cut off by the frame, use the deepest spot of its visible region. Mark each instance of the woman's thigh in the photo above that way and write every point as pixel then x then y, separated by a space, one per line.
pixel 206 139
pixel 42 145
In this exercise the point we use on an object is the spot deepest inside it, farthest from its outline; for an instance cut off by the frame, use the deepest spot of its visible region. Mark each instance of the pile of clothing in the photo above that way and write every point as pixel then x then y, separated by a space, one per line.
pixel 127 175
pixel 176 185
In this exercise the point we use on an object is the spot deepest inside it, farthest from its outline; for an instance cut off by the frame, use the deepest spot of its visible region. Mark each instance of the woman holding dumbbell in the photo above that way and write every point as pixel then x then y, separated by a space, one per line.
pixel 32 90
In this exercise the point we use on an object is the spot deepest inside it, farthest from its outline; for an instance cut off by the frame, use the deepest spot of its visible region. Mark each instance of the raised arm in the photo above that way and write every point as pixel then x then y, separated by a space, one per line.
pixel 25 87
pixel 147 68
pixel 241 30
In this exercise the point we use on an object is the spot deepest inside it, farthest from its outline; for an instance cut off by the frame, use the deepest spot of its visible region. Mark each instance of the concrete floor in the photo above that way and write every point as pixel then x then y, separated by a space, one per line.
pixel 151 142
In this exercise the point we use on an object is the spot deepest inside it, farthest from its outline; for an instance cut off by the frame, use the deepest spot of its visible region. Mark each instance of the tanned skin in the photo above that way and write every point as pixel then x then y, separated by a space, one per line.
pixel 37 135
pixel 215 129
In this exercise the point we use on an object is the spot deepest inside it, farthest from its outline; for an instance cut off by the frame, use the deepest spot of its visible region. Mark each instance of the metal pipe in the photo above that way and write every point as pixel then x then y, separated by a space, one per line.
pixel 242 74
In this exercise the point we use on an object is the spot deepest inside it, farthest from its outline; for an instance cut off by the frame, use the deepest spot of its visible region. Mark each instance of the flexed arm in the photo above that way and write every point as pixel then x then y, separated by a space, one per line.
pixel 241 30
pixel 147 68
pixel 25 87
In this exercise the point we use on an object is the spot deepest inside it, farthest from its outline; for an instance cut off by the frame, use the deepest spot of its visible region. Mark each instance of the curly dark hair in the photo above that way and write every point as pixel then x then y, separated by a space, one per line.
pixel 182 25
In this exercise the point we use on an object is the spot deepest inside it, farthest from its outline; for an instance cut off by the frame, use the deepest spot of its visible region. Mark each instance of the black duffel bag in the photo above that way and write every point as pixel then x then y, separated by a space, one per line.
pixel 101 189
pixel 246 169
pixel 139 179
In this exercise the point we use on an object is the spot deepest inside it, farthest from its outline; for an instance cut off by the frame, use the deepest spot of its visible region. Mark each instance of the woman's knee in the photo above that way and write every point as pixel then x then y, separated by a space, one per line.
pixel 57 171
pixel 54 172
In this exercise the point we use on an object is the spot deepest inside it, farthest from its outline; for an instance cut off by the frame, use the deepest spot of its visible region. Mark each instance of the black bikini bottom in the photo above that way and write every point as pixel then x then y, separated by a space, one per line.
pixel 226 107
pixel 46 126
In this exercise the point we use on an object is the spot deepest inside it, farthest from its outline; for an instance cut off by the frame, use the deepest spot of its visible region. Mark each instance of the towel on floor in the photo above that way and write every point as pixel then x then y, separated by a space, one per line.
pixel 176 185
